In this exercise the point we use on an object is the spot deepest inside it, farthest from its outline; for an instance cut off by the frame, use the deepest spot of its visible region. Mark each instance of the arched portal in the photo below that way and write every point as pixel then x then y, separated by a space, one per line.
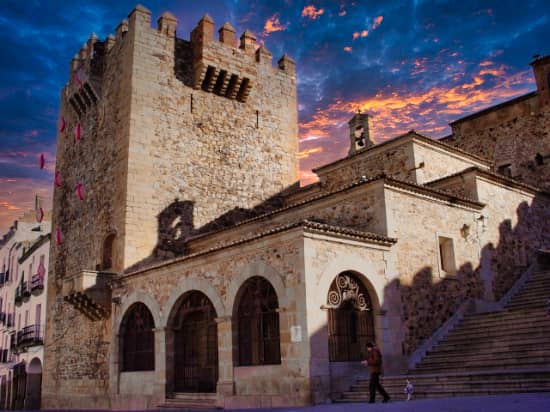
pixel 256 324
pixel 34 384
pixel 195 344
pixel 137 339
pixel 350 318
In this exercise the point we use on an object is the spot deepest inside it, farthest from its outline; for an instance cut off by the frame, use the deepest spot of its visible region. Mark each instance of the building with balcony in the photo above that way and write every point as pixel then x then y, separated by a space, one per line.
pixel 24 252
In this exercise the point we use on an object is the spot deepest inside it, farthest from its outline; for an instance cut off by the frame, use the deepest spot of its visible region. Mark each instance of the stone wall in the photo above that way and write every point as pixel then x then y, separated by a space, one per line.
pixel 192 145
pixel 98 161
pixel 412 157
pixel 279 258
pixel 360 208
pixel 517 222
pixel 429 295
pixel 514 134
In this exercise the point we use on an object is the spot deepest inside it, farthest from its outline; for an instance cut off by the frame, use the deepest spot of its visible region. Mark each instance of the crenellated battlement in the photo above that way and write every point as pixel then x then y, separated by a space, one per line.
pixel 221 66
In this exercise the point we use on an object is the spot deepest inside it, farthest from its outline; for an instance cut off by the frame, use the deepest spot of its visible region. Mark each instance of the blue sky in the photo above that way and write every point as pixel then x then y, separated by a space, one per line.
pixel 410 64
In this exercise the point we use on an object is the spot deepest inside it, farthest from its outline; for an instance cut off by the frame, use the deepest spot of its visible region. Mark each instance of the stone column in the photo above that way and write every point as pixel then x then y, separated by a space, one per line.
pixel 159 391
pixel 114 365
pixel 225 386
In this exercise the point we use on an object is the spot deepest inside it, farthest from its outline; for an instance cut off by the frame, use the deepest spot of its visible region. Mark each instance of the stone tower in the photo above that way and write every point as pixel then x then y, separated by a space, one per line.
pixel 161 136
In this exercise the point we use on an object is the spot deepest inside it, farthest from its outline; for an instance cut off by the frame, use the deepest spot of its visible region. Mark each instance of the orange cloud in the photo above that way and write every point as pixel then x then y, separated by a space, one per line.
pixel 312 12
pixel 307 152
pixel 395 112
pixel 348 49
pixel 273 24
pixel 377 21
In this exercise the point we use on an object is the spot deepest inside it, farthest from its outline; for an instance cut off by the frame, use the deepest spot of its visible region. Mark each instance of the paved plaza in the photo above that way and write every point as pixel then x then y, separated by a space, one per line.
pixel 537 402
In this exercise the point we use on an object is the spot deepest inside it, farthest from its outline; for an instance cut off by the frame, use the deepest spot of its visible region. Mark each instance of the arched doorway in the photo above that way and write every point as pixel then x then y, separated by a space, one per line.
pixel 34 384
pixel 195 344
pixel 350 318
pixel 137 339
pixel 256 334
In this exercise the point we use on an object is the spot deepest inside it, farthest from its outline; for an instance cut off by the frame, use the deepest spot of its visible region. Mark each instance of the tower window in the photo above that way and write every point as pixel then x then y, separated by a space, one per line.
pixel 539 159
pixel 107 260
pixel 505 170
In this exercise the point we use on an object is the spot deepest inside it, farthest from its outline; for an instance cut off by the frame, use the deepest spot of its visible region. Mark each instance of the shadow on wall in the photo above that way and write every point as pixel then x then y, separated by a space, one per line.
pixel 176 227
pixel 426 305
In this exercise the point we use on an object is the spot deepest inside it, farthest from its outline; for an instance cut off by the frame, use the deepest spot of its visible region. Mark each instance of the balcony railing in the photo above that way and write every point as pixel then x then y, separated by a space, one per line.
pixel 37 283
pixel 30 336
pixel 23 291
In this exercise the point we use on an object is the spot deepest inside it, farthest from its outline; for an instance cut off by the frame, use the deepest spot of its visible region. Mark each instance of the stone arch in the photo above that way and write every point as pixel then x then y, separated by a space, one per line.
pixel 361 268
pixel 255 268
pixel 186 285
pixel 34 366
pixel 138 296
pixel 256 325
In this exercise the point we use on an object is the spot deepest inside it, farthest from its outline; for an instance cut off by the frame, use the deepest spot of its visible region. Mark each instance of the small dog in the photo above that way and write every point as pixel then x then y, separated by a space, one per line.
pixel 409 390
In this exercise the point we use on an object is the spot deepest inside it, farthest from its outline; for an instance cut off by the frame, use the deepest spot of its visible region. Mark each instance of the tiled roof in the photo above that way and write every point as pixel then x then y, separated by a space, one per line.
pixel 413 134
pixel 308 225
pixel 495 177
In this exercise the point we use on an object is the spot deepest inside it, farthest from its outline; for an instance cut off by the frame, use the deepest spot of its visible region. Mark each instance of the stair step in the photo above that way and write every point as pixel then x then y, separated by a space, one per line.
pixel 514 334
pixel 391 386
pixel 185 401
pixel 502 354
pixel 481 347
pixel 539 321
pixel 441 393
pixel 443 368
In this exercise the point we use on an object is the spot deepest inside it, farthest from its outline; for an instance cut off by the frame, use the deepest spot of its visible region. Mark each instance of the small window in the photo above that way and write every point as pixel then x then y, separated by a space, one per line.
pixel 539 159
pixel 446 256
pixel 505 170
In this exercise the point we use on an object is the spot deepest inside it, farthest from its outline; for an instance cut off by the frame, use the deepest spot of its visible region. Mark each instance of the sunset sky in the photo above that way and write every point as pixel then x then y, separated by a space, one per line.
pixel 410 64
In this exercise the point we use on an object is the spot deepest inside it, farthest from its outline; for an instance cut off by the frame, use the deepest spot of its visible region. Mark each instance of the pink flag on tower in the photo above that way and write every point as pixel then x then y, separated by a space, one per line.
pixel 58 236
pixel 62 124
pixel 42 161
pixel 38 210
pixel 57 179
pixel 79 75
pixel 77 131
pixel 80 191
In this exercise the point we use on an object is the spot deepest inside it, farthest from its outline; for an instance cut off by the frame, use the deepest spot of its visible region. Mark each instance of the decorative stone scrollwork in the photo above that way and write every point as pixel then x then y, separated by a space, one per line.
pixel 346 288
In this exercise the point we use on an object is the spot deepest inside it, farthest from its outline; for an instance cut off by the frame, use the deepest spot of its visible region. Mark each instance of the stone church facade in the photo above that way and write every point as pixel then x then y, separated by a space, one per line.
pixel 196 267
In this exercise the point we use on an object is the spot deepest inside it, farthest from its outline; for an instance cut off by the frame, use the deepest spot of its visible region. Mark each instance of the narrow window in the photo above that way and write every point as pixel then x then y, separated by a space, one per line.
pixel 447 255
pixel 107 260
pixel 257 119
pixel 539 159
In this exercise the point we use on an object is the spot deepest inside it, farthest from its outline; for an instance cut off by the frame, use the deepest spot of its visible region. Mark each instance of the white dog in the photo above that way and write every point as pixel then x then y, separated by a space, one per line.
pixel 409 390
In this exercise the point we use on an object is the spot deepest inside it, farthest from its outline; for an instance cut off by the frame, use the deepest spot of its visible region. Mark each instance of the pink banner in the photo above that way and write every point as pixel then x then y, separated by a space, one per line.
pixel 80 191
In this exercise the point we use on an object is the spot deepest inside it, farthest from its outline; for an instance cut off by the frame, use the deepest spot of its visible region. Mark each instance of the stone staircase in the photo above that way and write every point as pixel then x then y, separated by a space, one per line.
pixel 489 353
pixel 190 401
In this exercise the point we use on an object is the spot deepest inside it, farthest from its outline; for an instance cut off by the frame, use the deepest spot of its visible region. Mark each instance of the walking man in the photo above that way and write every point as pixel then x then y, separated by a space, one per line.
pixel 374 362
